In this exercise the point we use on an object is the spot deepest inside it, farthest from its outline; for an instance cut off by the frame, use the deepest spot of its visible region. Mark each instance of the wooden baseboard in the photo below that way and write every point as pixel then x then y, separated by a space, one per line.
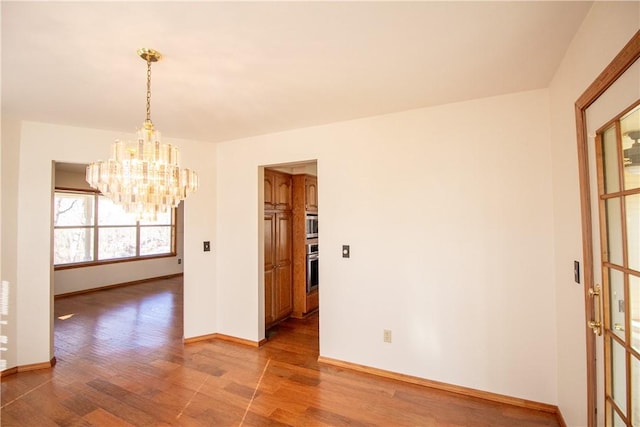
pixel 118 285
pixel 32 367
pixel 223 337
pixel 470 392
pixel 301 316
pixel 199 338
pixel 560 418
pixel 9 371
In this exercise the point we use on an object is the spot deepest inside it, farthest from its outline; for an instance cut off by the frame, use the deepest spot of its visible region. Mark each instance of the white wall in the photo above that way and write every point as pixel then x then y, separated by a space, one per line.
pixel 9 212
pixel 83 278
pixel 448 213
pixel 40 144
pixel 200 298
pixel 606 29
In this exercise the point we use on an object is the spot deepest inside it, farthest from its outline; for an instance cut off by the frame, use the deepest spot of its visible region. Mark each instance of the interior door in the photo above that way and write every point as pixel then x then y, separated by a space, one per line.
pixel 606 116
pixel 618 171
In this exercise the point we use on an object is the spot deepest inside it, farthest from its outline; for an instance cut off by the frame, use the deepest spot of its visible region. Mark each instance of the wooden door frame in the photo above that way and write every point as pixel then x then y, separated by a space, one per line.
pixel 627 56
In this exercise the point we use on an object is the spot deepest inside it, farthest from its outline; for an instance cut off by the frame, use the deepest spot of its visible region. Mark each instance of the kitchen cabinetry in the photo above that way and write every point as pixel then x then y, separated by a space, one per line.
pixel 311 193
pixel 277 190
pixel 278 247
pixel 305 199
pixel 278 266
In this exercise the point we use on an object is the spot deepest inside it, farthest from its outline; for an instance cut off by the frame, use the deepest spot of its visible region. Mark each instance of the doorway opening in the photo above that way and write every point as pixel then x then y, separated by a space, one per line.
pixel 95 247
pixel 290 244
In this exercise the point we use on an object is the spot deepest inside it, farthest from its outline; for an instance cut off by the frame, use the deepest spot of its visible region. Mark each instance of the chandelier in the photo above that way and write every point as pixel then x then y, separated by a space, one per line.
pixel 143 176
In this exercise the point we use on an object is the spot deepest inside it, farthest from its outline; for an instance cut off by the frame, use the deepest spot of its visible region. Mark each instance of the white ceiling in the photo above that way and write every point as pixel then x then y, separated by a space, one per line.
pixel 236 69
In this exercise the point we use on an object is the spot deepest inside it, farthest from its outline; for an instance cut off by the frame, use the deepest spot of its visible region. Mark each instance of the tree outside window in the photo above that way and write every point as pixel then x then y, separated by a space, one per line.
pixel 89 229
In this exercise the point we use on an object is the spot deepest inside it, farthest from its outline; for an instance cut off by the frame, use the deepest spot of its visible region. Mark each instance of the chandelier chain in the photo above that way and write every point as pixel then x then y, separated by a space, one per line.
pixel 148 90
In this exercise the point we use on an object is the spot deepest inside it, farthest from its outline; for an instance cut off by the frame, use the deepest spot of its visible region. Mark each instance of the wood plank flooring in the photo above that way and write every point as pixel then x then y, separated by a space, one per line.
pixel 121 362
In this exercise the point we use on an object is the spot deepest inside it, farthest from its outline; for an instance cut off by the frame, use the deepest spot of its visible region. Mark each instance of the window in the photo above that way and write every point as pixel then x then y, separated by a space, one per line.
pixel 89 228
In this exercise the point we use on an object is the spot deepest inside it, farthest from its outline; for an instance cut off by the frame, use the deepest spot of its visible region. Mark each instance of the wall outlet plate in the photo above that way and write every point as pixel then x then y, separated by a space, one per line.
pixel 386 335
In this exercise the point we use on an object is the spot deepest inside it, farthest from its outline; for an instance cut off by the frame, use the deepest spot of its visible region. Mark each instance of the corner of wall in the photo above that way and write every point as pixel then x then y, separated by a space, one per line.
pixel 9 156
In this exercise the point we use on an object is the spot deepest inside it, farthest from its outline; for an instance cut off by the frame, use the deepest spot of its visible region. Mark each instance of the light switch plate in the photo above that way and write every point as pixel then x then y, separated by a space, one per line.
pixel 346 251
pixel 207 246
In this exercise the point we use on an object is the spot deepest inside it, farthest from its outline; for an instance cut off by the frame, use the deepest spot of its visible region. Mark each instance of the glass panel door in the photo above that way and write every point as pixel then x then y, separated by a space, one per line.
pixel 618 153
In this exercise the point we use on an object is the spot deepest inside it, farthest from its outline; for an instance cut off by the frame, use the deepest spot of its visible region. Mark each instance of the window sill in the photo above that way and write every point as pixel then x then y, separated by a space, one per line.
pixel 110 261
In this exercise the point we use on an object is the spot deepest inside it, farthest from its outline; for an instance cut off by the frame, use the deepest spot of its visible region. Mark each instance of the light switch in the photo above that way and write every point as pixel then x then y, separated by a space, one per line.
pixel 345 251
pixel 576 271
pixel 207 246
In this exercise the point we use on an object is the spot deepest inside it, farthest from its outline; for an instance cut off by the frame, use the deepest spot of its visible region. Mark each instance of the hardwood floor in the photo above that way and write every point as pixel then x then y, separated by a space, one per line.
pixel 121 362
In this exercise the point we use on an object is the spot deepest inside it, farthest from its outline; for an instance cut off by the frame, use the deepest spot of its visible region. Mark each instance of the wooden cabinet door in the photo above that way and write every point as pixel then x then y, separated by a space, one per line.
pixel 269 190
pixel 270 239
pixel 284 264
pixel 284 238
pixel 278 264
pixel 282 185
pixel 283 292
pixel 311 194
pixel 269 301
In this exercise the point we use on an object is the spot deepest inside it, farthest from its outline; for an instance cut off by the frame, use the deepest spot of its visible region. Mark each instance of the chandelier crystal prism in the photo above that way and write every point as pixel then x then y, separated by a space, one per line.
pixel 143 176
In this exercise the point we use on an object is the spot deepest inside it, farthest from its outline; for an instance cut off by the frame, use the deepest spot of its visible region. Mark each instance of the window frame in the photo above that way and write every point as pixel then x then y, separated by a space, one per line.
pixel 96 228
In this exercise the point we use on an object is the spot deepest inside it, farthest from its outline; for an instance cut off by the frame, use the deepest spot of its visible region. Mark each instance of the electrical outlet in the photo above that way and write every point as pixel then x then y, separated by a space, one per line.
pixel 386 335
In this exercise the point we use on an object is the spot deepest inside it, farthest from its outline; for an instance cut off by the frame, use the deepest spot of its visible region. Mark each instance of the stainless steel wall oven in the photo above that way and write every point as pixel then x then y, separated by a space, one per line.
pixel 311 226
pixel 312 266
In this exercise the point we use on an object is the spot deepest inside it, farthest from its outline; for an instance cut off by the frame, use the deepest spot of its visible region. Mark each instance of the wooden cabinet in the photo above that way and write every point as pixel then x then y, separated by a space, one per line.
pixel 277 190
pixel 278 253
pixel 305 199
pixel 278 247
pixel 311 193
pixel 283 266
